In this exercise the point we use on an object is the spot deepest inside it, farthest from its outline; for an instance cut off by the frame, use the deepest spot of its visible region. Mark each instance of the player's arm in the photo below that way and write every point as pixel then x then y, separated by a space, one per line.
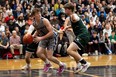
pixel 31 29
pixel 49 27
pixel 66 23
pixel 75 18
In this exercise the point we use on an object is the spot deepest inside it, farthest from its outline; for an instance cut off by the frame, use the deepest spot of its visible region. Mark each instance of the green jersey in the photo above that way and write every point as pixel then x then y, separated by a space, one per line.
pixel 80 30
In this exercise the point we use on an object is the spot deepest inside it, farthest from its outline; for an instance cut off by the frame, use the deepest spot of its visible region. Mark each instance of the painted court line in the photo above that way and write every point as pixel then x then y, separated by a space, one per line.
pixel 82 73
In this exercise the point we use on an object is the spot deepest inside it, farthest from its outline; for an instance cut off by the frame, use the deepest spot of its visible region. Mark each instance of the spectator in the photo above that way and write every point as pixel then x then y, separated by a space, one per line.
pixel 4 44
pixel 15 43
pixel 94 43
pixel 114 24
pixel 11 23
pixel 107 44
pixel 29 20
pixel 21 23
pixel 7 18
pixel 113 41
pixel 17 12
pixel 55 22
pixel 62 44
pixel 8 34
pixel 8 8
pixel 13 5
pixel 107 29
pixel 2 27
pixel 5 14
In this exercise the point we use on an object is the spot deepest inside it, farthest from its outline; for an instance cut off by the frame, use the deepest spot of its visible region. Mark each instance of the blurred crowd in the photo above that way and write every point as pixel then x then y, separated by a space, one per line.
pixel 99 17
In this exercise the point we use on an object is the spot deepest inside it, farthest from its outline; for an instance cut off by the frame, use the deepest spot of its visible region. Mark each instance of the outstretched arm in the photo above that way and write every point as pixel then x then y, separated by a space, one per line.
pixel 66 23
pixel 31 29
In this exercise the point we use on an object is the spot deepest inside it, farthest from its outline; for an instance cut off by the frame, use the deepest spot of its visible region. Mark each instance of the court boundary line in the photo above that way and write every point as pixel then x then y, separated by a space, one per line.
pixel 82 73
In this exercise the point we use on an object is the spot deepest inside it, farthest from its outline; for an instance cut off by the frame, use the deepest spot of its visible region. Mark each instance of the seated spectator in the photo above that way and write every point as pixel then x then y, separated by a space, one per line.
pixel 21 23
pixel 113 41
pixel 29 20
pixel 107 29
pixel 114 24
pixel 107 44
pixel 94 43
pixel 11 24
pixel 17 12
pixel 10 15
pixel 15 43
pixel 55 22
pixel 62 44
pixel 4 44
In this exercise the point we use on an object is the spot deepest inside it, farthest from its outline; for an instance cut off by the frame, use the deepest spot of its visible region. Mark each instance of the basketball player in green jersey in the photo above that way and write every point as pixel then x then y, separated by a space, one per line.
pixel 82 37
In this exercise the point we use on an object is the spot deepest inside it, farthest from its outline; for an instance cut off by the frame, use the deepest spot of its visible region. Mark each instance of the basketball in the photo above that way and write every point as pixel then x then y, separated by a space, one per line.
pixel 27 39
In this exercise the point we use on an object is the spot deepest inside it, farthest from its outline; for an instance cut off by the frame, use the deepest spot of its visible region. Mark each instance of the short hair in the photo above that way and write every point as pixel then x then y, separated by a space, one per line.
pixel 69 6
pixel 34 11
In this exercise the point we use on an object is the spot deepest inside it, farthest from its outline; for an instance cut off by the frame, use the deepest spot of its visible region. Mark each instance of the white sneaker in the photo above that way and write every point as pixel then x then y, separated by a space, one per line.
pixel 78 68
pixel 85 67
pixel 26 67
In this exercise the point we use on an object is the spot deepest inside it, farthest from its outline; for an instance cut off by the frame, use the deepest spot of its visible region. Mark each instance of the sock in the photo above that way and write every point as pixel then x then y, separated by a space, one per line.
pixel 82 61
pixel 47 61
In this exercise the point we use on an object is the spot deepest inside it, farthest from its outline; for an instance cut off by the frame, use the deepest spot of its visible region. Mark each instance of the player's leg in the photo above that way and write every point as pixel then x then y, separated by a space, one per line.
pixel 49 55
pixel 82 65
pixel 71 50
pixel 27 59
pixel 41 55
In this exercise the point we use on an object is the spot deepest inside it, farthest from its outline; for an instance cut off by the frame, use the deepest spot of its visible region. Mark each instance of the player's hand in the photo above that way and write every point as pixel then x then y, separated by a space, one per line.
pixel 37 39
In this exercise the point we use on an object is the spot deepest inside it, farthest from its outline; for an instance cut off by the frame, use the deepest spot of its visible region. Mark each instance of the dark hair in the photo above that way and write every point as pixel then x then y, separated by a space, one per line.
pixel 35 10
pixel 69 6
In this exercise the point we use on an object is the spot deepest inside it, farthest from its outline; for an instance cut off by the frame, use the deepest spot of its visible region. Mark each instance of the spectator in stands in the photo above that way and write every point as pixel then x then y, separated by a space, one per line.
pixel 107 43
pixel 113 41
pixel 17 12
pixel 21 23
pixel 91 28
pixel 29 19
pixel 55 22
pixel 107 29
pixel 62 43
pixel 8 34
pixel 114 24
pixel 17 30
pixel 15 43
pixel 13 5
pixel 7 18
pixel 8 8
pixel 11 23
pixel 94 43
pixel 5 14
pixel 2 27
pixel 4 44
pixel 28 9
pixel 1 15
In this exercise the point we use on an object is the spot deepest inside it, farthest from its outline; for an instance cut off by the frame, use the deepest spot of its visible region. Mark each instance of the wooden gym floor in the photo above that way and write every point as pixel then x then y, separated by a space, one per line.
pixel 101 66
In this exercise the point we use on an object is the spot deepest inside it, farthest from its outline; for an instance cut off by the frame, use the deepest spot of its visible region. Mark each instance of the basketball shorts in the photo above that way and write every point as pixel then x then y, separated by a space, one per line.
pixel 32 47
pixel 81 42
pixel 49 43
